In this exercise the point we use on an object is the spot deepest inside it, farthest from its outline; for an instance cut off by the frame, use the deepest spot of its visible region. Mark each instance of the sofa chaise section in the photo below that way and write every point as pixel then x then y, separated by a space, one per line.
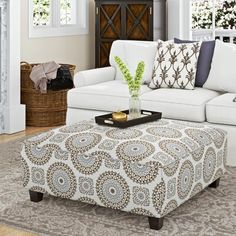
pixel 221 112
pixel 222 109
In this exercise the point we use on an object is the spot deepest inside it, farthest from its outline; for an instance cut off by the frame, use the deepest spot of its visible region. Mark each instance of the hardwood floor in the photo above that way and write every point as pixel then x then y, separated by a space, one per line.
pixel 6 230
pixel 29 131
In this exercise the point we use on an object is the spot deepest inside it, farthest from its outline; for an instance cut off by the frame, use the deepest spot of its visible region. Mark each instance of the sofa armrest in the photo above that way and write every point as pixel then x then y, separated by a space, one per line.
pixel 94 76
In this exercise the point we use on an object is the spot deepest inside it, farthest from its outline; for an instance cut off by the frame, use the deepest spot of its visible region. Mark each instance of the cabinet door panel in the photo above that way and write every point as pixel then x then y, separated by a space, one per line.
pixel 109 28
pixel 132 20
pixel 138 22
pixel 105 48
pixel 110 21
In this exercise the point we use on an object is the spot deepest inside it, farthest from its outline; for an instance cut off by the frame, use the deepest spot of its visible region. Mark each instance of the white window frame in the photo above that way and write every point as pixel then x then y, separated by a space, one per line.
pixel 55 29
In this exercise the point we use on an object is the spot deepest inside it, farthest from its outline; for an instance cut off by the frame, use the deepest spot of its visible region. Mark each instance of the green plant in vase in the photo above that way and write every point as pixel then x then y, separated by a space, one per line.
pixel 134 85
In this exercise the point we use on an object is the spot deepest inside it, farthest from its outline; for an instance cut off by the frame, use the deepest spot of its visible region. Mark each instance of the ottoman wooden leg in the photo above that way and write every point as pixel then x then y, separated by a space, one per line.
pixel 35 196
pixel 215 184
pixel 155 223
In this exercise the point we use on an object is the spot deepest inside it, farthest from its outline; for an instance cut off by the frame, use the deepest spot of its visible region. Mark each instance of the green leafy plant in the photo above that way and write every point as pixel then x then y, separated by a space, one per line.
pixel 134 84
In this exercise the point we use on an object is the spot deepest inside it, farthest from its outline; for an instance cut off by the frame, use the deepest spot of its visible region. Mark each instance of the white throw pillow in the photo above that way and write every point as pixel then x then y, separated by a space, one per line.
pixel 131 53
pixel 136 52
pixel 222 76
pixel 175 65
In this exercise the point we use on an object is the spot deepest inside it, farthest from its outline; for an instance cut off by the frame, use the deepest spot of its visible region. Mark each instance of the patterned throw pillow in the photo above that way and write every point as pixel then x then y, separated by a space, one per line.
pixel 175 65
pixel 204 60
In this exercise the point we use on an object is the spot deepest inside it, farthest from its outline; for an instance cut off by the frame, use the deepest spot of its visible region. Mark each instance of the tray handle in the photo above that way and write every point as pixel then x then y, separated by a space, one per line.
pixel 147 113
pixel 110 122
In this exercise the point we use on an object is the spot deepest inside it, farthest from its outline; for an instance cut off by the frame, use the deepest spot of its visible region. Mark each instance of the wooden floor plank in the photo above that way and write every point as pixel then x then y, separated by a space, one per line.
pixel 8 231
pixel 29 131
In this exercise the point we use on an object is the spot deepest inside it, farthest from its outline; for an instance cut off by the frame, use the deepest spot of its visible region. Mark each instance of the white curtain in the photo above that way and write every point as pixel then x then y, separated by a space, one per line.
pixel 12 113
pixel 1 103
pixel 3 64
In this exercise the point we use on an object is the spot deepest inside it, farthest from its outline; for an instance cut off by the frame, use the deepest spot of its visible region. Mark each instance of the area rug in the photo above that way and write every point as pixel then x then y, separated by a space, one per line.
pixel 211 212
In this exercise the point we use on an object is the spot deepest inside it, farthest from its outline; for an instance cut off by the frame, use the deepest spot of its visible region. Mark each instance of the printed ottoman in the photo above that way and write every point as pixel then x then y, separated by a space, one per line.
pixel 148 169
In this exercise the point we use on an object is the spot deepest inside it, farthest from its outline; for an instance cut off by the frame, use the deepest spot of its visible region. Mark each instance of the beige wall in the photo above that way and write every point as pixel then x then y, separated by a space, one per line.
pixel 78 50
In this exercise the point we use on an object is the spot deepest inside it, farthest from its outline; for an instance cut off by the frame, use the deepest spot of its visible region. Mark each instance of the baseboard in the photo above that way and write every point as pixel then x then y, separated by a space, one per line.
pixel 15 119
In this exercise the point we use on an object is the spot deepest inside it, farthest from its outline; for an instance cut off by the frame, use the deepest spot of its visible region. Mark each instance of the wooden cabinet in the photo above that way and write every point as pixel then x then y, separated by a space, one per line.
pixel 121 19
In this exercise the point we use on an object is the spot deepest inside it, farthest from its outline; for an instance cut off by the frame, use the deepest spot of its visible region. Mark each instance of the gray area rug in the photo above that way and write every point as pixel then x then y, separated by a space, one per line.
pixel 211 212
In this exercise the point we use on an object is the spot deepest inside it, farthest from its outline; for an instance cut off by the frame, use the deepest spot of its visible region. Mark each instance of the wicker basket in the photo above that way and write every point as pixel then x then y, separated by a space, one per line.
pixel 42 109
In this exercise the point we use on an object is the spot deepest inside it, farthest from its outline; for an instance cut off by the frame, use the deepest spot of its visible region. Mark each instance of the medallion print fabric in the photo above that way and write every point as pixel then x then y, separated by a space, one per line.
pixel 149 170
pixel 175 65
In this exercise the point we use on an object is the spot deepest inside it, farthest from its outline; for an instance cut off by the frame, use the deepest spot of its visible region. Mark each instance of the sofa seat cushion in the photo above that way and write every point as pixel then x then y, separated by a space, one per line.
pixel 178 103
pixel 107 96
pixel 222 109
pixel 222 74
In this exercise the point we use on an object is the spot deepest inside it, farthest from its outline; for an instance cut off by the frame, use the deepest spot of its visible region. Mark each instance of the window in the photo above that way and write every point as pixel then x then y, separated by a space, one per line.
pixel 50 18
pixel 214 19
pixel 41 13
pixel 67 15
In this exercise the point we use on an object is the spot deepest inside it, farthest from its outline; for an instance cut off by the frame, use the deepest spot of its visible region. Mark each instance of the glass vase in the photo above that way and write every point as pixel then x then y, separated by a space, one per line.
pixel 134 105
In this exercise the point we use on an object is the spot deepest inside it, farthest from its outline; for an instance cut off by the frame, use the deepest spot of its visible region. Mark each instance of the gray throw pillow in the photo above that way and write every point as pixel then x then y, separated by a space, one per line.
pixel 204 60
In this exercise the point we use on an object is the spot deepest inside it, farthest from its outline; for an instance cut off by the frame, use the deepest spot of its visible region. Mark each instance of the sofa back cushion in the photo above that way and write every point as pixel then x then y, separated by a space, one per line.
pixel 222 76
pixel 132 52
pixel 204 60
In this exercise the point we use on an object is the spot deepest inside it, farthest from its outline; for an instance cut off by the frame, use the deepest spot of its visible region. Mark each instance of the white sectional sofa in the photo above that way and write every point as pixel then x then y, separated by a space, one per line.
pixel 99 91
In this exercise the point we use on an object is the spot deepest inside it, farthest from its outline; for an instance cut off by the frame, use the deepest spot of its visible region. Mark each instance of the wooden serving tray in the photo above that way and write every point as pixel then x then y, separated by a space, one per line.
pixel 146 116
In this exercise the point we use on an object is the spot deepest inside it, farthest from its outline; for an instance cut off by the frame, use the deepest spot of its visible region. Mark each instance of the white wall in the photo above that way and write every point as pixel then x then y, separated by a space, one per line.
pixel 159 18
pixel 179 19
pixel 78 50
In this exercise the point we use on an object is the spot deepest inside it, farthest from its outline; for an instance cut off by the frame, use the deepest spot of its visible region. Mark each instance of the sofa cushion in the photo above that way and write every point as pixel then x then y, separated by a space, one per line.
pixel 107 96
pixel 131 53
pixel 223 74
pixel 178 103
pixel 175 65
pixel 222 109
pixel 204 60
pixel 94 76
